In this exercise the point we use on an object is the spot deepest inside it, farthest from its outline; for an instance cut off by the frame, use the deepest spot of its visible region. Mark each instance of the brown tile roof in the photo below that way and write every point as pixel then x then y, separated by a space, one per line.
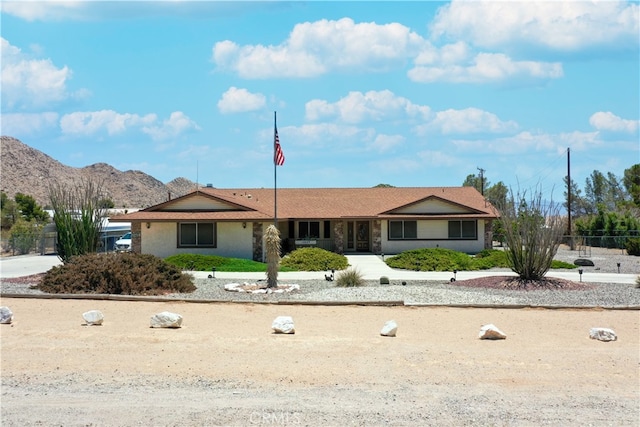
pixel 319 203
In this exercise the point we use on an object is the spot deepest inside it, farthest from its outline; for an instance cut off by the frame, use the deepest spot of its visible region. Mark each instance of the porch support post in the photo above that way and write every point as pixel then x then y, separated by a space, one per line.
pixel 338 236
pixel 376 236
pixel 257 242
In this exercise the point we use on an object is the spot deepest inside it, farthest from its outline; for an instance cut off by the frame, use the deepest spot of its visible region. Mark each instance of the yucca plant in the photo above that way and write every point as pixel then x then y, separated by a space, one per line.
pixel 272 241
pixel 350 277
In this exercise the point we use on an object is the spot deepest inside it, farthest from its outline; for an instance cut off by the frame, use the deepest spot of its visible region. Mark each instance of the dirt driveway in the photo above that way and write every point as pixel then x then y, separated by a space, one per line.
pixel 226 367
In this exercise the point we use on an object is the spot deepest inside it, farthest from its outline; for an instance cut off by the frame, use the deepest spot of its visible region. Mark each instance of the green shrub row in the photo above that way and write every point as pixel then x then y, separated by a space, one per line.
pixel 440 259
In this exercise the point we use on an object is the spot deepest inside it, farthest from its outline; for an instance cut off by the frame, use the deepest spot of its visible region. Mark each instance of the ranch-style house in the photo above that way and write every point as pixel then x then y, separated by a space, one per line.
pixel 380 220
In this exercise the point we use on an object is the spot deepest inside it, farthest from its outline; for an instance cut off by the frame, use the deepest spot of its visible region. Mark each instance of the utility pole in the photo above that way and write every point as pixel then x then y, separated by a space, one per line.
pixel 481 181
pixel 571 246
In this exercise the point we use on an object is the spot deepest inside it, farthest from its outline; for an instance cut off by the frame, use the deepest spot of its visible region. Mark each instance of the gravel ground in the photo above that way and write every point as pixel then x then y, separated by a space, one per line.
pixel 429 292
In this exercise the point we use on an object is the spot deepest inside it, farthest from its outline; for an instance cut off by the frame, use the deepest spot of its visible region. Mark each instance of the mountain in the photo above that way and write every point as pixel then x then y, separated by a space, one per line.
pixel 26 170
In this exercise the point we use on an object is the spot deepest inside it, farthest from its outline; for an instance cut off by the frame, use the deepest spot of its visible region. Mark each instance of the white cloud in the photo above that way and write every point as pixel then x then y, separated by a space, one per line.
pixel 23 124
pixel 469 120
pixel 556 25
pixel 112 122
pixel 44 10
pixel 177 124
pixel 28 82
pixel 236 100
pixel 320 134
pixel 527 142
pixel 610 122
pixel 314 48
pixel 357 107
pixel 437 158
pixel 483 68
pixel 384 143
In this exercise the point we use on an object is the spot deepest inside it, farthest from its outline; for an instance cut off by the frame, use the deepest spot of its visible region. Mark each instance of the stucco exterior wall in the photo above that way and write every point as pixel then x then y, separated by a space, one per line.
pixel 434 233
pixel 232 240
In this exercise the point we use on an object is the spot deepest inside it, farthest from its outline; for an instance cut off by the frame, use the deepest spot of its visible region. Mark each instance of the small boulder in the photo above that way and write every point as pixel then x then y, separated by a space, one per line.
pixel 6 315
pixel 93 317
pixel 283 325
pixel 384 280
pixel 166 319
pixel 583 262
pixel 602 334
pixel 491 332
pixel 389 329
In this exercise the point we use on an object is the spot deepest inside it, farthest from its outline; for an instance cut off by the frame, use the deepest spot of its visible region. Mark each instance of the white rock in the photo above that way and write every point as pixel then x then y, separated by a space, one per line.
pixel 602 334
pixel 6 315
pixel 93 317
pixel 389 329
pixel 491 332
pixel 166 319
pixel 233 287
pixel 283 325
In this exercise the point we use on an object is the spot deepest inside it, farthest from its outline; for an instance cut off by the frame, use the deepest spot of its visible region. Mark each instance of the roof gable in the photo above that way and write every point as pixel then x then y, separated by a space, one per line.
pixel 198 201
pixel 433 205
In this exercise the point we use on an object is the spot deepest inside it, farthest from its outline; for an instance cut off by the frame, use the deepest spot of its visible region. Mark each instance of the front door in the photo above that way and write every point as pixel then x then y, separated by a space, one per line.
pixel 358 236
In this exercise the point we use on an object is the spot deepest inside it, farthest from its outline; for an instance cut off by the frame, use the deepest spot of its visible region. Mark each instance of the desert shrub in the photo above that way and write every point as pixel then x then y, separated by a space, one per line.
pixel 314 259
pixel 24 236
pixel 633 246
pixel 350 278
pixel 116 273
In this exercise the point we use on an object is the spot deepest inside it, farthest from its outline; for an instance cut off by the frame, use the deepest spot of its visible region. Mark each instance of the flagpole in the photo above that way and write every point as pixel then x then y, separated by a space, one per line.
pixel 275 174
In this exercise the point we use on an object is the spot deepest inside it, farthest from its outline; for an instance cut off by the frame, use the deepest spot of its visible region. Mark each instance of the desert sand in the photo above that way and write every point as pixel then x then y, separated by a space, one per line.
pixel 225 366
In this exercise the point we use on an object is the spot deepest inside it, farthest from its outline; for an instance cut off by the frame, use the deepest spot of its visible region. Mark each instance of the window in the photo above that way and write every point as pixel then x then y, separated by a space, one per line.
pixel 309 230
pixel 462 229
pixel 197 234
pixel 403 230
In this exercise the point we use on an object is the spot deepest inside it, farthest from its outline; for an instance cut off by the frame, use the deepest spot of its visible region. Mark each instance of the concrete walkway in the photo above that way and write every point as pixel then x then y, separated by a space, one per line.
pixel 372 267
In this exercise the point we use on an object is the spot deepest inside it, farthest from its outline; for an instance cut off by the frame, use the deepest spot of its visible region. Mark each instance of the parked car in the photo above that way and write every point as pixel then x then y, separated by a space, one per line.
pixel 123 244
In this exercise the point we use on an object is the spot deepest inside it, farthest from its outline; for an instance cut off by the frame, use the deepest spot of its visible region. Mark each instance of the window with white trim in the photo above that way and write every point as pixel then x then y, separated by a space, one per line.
pixel 197 234
pixel 463 230
pixel 403 230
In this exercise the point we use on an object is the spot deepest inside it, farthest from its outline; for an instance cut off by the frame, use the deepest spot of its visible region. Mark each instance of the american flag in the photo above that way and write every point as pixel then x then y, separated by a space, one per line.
pixel 278 155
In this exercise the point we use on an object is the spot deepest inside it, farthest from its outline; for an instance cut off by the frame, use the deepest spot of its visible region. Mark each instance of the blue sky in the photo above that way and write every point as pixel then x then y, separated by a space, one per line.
pixel 401 93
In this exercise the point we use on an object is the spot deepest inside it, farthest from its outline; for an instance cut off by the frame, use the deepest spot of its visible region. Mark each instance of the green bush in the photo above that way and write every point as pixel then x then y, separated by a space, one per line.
pixel 439 259
pixel 116 273
pixel 314 259
pixel 350 278
pixel 198 262
pixel 24 236
pixel 633 246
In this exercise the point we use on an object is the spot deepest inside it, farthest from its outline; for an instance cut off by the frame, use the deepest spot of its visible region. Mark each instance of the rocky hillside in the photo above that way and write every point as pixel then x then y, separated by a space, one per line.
pixel 29 171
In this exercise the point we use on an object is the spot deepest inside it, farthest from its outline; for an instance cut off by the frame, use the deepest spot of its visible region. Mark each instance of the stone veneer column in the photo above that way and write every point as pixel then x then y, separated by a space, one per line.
pixel 136 237
pixel 488 234
pixel 338 236
pixel 376 236
pixel 257 241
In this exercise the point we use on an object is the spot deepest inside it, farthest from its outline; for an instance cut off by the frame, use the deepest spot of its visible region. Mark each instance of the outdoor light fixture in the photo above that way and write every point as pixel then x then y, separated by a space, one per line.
pixel 453 279
pixel 244 225
pixel 580 272
pixel 618 268
pixel 148 225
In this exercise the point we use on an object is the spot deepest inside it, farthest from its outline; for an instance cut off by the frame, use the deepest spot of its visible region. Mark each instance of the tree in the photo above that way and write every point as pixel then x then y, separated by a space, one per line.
pixel 10 212
pixel 497 194
pixel 272 242
pixel 476 182
pixel 29 209
pixel 631 182
pixel 579 205
pixel 78 217
pixel 533 232
pixel 24 235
